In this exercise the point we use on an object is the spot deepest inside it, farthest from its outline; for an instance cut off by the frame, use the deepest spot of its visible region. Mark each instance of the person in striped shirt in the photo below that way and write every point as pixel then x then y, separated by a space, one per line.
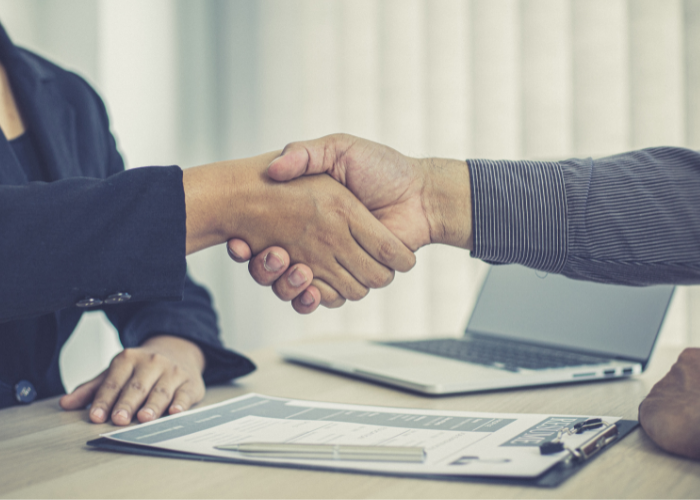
pixel 631 219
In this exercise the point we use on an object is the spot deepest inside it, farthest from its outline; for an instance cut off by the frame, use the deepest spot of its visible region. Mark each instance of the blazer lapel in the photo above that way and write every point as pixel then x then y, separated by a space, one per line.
pixel 50 117
pixel 11 172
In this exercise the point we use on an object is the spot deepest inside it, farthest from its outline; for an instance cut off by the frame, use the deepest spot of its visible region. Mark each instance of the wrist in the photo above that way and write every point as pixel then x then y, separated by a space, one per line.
pixel 446 199
pixel 217 198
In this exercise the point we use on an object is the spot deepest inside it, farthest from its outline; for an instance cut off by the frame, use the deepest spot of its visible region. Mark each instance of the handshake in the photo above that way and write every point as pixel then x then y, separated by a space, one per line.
pixel 326 220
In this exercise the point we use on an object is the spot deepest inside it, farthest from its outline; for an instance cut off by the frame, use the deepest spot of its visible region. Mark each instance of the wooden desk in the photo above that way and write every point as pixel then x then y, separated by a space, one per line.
pixel 43 452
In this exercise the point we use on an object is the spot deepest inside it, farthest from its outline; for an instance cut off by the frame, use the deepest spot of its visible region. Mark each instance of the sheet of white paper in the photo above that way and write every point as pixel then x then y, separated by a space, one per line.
pixel 456 443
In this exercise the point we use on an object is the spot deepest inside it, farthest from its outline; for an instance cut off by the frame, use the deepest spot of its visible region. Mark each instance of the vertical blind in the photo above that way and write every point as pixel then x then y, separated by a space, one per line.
pixel 189 82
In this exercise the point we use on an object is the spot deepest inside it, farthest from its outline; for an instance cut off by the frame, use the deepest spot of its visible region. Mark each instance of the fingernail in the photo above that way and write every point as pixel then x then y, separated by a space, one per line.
pixel 98 413
pixel 307 299
pixel 273 262
pixel 232 253
pixel 297 278
pixel 120 414
pixel 175 409
pixel 148 413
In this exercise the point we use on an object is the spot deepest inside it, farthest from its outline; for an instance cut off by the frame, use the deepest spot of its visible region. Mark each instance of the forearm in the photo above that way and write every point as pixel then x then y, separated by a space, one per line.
pixel 65 241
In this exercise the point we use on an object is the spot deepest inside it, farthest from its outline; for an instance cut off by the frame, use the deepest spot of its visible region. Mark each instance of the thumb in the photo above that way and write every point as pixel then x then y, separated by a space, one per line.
pixel 83 394
pixel 292 163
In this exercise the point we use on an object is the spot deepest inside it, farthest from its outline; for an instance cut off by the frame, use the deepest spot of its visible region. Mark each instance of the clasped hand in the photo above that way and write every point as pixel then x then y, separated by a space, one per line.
pixel 419 201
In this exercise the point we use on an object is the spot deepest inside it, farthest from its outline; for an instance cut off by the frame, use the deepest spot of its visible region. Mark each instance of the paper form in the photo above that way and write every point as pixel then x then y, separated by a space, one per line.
pixel 456 443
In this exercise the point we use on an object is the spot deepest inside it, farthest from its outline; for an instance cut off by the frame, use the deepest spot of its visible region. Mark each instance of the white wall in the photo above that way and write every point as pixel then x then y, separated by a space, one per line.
pixel 189 82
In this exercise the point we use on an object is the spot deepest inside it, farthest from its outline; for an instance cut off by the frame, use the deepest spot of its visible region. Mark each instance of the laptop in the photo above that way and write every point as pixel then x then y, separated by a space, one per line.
pixel 527 328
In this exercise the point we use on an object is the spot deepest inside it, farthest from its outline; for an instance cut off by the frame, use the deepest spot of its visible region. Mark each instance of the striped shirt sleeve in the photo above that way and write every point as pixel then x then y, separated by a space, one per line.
pixel 630 219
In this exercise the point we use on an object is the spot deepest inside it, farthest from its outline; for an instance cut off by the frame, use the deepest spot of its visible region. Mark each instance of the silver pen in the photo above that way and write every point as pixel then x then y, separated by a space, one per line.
pixel 329 451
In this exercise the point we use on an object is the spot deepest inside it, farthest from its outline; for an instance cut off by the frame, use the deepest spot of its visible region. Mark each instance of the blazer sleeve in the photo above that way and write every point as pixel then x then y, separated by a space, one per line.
pixel 631 219
pixel 78 238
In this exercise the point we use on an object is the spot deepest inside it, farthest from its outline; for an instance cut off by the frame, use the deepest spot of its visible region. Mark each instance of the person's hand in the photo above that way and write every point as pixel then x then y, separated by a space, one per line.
pixel 164 374
pixel 670 414
pixel 316 220
pixel 422 201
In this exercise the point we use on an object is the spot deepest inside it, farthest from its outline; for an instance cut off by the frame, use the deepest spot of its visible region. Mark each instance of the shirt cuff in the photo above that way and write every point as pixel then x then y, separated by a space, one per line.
pixel 519 213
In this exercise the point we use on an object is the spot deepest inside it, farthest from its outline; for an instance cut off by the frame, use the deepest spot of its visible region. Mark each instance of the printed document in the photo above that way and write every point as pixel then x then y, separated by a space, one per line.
pixel 455 442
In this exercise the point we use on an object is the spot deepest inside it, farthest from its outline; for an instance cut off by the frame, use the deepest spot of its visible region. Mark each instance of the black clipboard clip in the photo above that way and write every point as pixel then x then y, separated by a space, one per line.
pixel 607 434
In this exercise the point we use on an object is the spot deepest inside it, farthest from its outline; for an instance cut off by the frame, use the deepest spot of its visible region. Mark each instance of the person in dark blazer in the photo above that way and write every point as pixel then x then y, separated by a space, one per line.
pixel 61 131
pixel 78 232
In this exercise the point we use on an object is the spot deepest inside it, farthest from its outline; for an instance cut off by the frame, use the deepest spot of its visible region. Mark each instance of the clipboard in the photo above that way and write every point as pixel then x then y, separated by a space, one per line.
pixel 463 446
pixel 550 479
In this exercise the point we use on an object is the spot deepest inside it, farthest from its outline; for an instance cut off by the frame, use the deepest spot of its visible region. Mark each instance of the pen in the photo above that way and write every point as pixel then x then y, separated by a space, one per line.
pixel 329 451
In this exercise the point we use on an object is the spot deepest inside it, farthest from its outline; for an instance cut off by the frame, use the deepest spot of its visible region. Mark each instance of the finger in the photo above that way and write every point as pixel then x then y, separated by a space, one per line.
pixel 308 301
pixel 269 265
pixel 83 394
pixel 293 282
pixel 329 297
pixel 292 163
pixel 238 250
pixel 378 241
pixel 118 373
pixel 162 394
pixel 186 395
pixel 137 388
pixel 311 157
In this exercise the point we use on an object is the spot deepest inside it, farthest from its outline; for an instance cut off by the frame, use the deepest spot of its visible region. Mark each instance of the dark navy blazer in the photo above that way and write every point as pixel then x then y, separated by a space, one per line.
pixel 91 233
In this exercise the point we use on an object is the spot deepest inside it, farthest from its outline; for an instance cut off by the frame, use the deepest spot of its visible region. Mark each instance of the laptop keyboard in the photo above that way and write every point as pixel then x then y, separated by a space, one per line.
pixel 506 355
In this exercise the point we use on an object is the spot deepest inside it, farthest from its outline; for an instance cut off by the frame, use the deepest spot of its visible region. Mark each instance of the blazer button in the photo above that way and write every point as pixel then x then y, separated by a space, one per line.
pixel 25 392
pixel 117 298
pixel 88 302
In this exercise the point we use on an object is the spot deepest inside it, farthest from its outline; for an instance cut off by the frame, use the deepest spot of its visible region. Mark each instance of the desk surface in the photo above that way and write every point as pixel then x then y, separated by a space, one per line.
pixel 43 452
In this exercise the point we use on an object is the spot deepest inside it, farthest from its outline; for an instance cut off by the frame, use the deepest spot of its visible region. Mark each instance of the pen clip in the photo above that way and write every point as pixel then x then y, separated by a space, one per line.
pixel 596 443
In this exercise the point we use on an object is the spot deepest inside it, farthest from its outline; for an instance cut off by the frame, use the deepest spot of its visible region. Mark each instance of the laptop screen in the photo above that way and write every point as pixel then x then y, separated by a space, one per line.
pixel 523 304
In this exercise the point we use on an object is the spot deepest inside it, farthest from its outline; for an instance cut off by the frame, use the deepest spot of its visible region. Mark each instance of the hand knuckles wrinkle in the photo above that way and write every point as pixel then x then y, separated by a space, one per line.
pixel 137 386
pixel 361 293
pixel 381 279
pixel 163 391
pixel 110 385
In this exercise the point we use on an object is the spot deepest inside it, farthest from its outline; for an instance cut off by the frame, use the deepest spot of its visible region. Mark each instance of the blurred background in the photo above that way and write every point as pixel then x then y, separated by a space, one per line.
pixel 189 82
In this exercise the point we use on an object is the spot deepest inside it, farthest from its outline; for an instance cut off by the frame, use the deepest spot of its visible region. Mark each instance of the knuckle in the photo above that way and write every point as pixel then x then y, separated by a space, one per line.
pixel 387 252
pixel 137 387
pixel 128 354
pixel 381 278
pixel 158 359
pixel 162 392
pixel 357 293
pixel 110 385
